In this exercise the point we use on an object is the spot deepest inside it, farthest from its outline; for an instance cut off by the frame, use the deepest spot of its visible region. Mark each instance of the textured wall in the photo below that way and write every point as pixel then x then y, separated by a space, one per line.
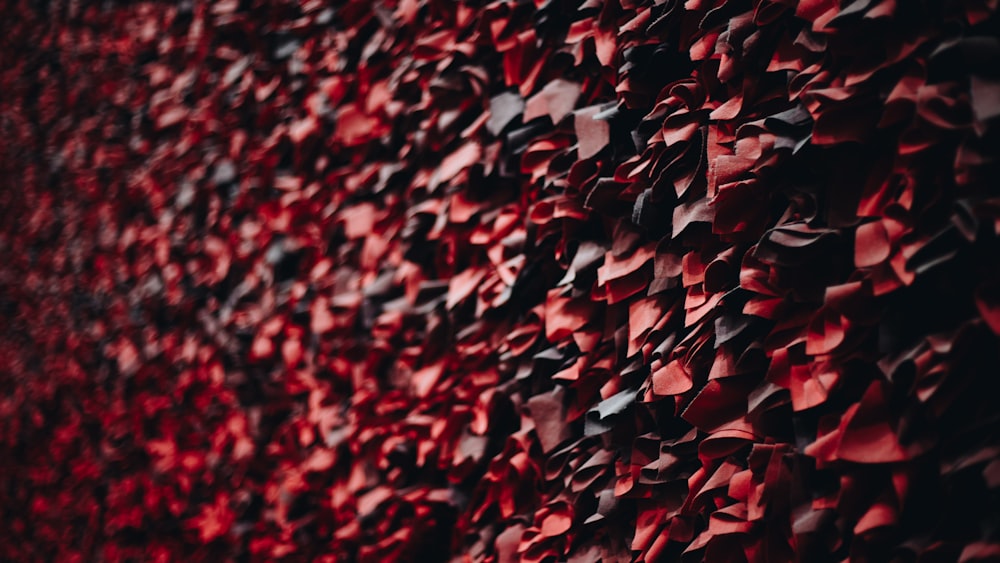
pixel 372 281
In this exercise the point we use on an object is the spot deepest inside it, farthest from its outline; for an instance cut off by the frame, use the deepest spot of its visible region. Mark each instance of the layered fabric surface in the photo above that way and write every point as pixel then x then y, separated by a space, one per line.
pixel 550 280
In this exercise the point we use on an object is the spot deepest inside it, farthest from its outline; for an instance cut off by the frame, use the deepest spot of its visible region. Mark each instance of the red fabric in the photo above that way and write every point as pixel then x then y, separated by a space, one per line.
pixel 496 281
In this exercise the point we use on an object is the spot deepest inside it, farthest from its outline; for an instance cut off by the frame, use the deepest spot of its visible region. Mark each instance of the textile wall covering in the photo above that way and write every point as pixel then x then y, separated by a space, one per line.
pixel 509 280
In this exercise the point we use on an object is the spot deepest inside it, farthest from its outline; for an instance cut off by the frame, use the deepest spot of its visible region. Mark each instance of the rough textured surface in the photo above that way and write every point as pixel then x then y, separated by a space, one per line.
pixel 417 280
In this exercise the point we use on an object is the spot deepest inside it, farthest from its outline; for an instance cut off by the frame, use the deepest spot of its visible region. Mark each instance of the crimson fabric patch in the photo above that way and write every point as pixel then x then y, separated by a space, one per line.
pixel 494 281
